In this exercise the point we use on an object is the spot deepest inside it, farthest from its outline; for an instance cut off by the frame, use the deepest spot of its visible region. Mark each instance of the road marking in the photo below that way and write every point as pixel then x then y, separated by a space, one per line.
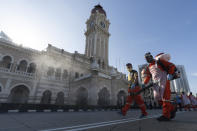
pixel 102 124
pixel 94 124
pixel 113 123
pixel 55 129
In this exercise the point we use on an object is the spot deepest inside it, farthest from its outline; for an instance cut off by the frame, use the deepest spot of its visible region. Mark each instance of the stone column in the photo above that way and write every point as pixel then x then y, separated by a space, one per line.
pixel 53 98
pixel 89 48
pixel 103 51
pixel 86 48
pixel 6 92
pixel 32 95
pixel 92 96
pixel 92 47
pixel 98 47
pixel 95 39
pixel 100 55
pixel 106 50
pixel 7 85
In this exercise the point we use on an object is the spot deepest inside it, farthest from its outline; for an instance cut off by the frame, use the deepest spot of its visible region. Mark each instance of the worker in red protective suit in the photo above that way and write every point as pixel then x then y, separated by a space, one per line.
pixel 161 72
pixel 134 87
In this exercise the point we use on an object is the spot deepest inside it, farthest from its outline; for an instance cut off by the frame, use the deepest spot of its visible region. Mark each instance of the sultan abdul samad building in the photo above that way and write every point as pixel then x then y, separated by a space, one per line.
pixel 56 76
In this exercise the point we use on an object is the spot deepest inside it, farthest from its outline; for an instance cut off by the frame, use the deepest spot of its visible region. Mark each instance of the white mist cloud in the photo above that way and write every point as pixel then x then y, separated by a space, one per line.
pixel 194 74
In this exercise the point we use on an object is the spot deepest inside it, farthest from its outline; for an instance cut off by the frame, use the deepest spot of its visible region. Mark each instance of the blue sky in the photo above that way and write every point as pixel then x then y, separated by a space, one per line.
pixel 137 26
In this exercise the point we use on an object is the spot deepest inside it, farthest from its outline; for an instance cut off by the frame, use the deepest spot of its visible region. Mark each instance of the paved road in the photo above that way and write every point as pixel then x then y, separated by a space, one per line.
pixel 95 121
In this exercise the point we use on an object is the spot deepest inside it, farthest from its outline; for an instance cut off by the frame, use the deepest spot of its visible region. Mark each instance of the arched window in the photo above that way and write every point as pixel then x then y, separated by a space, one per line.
pixel 22 66
pixel 6 62
pixel 60 98
pixel 50 71
pixel 121 98
pixel 46 97
pixel 81 75
pixel 65 74
pixel 31 68
pixel 19 94
pixel 58 74
pixel 76 75
pixel 104 97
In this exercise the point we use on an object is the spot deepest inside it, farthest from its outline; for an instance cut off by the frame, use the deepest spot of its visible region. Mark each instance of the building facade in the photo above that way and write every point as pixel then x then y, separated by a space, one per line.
pixel 56 76
pixel 181 84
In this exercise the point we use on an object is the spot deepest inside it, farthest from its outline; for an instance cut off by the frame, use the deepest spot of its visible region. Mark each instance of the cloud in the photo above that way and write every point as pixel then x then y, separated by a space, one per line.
pixel 194 74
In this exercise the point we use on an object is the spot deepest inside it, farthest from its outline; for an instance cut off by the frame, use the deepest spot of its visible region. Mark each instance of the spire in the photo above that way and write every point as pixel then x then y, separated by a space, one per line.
pixel 98 8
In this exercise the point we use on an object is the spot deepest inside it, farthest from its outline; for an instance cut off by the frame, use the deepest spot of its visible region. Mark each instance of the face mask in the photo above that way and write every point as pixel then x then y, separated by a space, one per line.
pixel 149 59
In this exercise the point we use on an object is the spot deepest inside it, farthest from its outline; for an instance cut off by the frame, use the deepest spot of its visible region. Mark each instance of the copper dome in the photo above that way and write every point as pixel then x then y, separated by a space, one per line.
pixel 99 8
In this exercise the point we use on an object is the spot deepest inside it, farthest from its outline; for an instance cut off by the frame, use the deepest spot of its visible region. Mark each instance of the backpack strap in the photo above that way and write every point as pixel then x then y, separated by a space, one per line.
pixel 147 70
pixel 162 65
pixel 134 72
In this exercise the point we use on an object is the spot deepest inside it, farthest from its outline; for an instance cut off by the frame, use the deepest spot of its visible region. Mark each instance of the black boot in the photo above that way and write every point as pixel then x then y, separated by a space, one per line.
pixel 173 113
pixel 163 118
pixel 121 112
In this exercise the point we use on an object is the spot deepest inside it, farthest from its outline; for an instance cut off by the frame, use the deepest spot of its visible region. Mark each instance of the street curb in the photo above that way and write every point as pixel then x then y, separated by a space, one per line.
pixel 13 111
pixel 47 110
pixel 55 110
pixel 60 110
pixel 31 110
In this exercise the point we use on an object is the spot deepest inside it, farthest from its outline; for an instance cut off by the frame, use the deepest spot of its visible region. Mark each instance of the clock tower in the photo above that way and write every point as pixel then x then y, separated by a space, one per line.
pixel 97 36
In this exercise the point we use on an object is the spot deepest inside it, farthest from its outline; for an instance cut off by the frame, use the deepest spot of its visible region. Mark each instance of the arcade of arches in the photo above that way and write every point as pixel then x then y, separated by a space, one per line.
pixel 19 94
pixel 60 99
pixel 46 97
pixel 104 97
pixel 121 98
pixel 6 62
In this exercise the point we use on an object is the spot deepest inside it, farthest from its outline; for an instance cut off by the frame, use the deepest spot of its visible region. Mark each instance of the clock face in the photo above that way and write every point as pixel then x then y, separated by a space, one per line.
pixel 91 23
pixel 102 24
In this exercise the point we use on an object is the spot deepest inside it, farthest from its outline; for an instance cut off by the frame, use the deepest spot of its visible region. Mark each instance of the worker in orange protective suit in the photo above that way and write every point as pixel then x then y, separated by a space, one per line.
pixel 193 101
pixel 133 87
pixel 161 72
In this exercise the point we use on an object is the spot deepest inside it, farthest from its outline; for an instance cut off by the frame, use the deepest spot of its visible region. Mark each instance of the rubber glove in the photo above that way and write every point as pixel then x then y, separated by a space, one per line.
pixel 169 77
